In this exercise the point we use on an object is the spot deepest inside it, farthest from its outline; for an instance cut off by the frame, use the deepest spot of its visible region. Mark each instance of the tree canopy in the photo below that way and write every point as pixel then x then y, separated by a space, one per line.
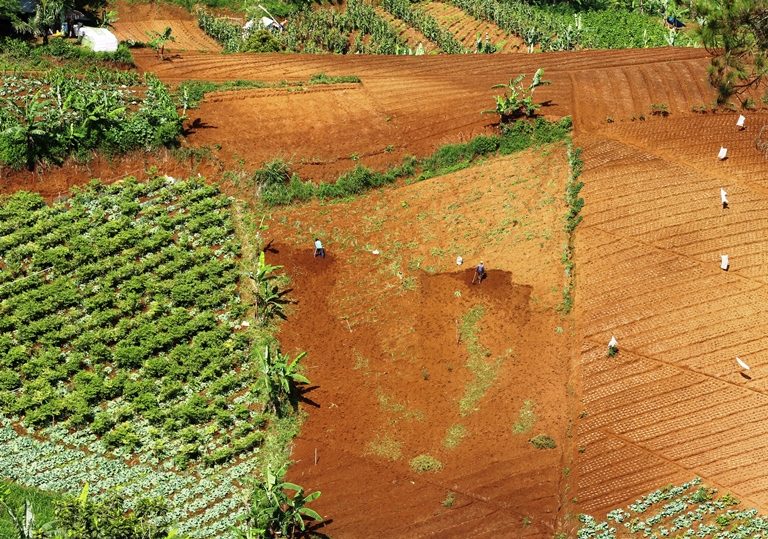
pixel 735 32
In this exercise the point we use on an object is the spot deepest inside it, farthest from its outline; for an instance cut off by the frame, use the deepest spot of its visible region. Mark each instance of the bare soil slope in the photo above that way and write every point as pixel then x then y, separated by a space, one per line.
pixel 413 104
pixel 137 21
pixel 390 372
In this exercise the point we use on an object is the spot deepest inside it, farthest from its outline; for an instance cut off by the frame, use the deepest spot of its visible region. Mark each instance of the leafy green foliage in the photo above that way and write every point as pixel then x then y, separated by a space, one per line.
pixel 687 510
pixel 281 376
pixel 551 27
pixel 83 518
pixel 426 24
pixel 517 101
pixel 119 314
pixel 158 40
pixel 66 58
pixel 313 31
pixel 275 513
pixel 50 118
pixel 514 137
pixel 46 16
pixel 736 35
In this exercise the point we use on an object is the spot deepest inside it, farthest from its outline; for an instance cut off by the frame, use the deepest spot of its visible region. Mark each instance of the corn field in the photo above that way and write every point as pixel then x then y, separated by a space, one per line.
pixel 426 24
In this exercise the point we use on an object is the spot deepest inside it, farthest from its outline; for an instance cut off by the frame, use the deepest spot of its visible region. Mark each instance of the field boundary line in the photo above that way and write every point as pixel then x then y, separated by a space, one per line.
pixel 702 263
pixel 686 368
pixel 676 464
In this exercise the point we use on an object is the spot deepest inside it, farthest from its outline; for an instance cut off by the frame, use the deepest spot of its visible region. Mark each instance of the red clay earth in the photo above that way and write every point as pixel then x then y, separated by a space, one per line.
pixel 670 406
pixel 387 366
pixel 138 21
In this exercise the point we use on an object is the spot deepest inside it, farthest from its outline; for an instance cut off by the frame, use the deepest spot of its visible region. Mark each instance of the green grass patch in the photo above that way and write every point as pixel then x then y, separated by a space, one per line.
pixel 425 463
pixel 454 435
pixel 478 362
pixel 386 448
pixel 526 418
pixel 543 441
pixel 514 138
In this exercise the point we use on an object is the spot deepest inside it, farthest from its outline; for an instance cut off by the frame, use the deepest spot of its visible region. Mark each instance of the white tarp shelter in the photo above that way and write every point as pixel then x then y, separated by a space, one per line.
pixel 98 39
pixel 265 23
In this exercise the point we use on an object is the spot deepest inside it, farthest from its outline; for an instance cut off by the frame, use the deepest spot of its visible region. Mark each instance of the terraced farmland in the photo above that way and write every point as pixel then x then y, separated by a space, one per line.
pixel 467 29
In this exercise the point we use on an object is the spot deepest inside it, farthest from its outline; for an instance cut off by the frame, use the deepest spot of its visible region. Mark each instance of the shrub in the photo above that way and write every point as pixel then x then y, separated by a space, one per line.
pixel 543 441
pixel 425 463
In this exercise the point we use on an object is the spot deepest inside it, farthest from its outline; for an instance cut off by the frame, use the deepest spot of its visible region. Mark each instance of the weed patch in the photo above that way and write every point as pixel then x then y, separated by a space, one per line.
pixel 385 448
pixel 526 418
pixel 454 435
pixel 425 463
pixel 543 441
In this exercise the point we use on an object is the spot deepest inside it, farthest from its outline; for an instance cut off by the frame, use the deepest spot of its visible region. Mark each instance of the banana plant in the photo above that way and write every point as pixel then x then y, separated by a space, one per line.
pixel 23 520
pixel 517 101
pixel 281 376
pixel 270 300
pixel 29 125
pixel 275 513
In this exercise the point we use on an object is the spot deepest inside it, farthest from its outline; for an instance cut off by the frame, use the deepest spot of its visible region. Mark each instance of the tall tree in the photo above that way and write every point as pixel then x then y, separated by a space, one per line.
pixel 735 33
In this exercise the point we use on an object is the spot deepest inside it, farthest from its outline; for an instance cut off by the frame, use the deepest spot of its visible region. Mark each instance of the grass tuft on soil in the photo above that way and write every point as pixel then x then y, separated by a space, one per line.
pixel 454 435
pixel 543 441
pixel 483 369
pixel 526 418
pixel 425 463
pixel 385 447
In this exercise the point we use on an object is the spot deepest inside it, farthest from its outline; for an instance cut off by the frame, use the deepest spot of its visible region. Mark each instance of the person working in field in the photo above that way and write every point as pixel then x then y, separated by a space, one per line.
pixel 319 249
pixel 479 273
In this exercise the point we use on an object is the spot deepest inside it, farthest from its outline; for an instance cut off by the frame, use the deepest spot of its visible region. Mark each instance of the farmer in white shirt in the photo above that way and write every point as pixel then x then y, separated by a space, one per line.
pixel 319 250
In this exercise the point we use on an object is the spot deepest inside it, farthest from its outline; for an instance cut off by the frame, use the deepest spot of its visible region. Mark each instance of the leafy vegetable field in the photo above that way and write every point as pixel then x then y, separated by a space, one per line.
pixel 50 117
pixel 122 333
pixel 687 510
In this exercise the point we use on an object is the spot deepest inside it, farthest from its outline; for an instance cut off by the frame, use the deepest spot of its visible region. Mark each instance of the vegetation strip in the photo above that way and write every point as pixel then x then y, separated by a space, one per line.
pixel 46 119
pixel 278 185
pixel 573 217
pixel 190 93
pixel 688 510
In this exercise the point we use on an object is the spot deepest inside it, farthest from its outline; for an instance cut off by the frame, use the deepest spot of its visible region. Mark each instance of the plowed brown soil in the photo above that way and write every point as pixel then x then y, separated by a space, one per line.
pixel 412 105
pixel 387 366
pixel 137 22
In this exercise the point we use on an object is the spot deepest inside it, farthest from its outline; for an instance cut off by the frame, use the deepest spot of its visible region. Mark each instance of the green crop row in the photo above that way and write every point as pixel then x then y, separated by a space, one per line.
pixel 424 23
pixel 552 30
pixel 358 29
pixel 120 316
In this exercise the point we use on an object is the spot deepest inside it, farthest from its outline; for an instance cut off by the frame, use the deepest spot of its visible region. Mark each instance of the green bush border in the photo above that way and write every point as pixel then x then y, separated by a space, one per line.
pixel 513 138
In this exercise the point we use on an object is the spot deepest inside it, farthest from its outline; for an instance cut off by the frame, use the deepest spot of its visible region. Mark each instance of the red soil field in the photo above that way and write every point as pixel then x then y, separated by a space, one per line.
pixel 136 21
pixel 381 330
pixel 412 105
pixel 386 365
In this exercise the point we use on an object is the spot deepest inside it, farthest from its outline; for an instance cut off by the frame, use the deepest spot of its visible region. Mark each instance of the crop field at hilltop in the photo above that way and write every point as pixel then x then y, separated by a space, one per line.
pixel 238 275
